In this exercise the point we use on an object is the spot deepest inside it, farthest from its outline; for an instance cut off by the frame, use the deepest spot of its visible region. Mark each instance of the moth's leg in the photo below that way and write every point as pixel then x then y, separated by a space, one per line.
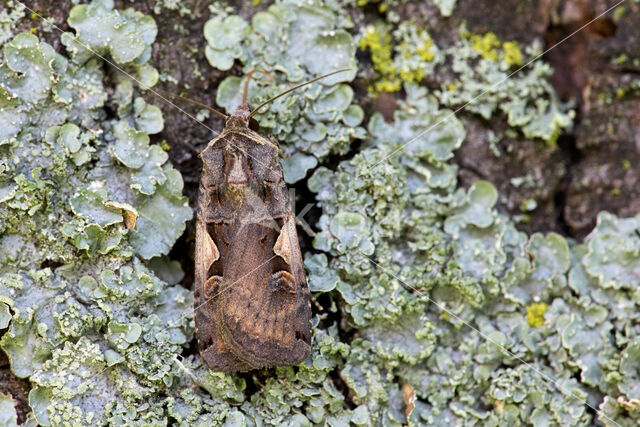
pixel 212 287
pixel 282 281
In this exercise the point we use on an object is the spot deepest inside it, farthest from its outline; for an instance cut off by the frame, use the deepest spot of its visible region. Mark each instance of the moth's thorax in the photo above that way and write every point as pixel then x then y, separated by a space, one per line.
pixel 235 195
pixel 239 156
pixel 239 118
pixel 237 174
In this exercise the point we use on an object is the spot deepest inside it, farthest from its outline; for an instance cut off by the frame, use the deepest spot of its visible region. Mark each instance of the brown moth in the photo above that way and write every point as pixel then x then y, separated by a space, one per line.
pixel 252 303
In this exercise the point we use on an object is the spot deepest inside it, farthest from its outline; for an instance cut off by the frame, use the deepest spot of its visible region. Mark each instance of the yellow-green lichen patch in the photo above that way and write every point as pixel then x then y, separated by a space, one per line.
pixel 405 54
pixel 491 48
pixel 486 45
pixel 535 314
pixel 377 39
pixel 484 82
pixel 512 53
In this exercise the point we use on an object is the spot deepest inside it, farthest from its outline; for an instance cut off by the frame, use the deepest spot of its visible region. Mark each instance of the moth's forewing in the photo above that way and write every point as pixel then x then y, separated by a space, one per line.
pixel 212 347
pixel 252 299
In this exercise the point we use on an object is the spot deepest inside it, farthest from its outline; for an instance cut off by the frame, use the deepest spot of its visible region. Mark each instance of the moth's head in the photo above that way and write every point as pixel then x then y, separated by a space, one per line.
pixel 241 117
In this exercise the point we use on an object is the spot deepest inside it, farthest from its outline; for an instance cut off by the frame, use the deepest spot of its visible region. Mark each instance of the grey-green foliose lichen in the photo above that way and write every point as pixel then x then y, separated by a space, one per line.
pixel 483 75
pixel 433 279
pixel 427 278
pixel 295 41
pixel 87 206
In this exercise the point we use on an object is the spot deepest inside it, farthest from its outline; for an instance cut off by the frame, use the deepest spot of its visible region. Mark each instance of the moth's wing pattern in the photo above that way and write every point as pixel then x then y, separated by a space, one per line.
pixel 263 308
pixel 210 255
pixel 252 299
pixel 212 347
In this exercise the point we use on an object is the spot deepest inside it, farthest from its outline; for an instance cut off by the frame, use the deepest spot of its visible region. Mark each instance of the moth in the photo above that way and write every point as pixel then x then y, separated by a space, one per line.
pixel 252 303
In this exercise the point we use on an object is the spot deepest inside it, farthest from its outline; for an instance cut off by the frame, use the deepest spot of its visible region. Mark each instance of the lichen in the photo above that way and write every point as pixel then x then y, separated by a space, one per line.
pixel 76 294
pixel 434 308
pixel 475 66
pixel 8 416
pixel 294 41
pixel 445 7
pixel 405 54
pixel 483 66
pixel 403 244
pixel 535 314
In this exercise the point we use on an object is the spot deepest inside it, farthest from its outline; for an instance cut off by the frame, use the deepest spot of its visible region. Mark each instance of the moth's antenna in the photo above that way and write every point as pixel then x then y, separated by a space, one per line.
pixel 245 94
pixel 199 104
pixel 294 88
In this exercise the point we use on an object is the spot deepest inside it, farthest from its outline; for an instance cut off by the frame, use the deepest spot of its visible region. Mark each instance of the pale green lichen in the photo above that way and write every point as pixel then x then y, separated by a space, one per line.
pixel 483 68
pixel 422 283
pixel 294 41
pixel 167 6
pixel 446 7
pixel 126 35
pixel 10 15
pixel 8 416
pixel 69 180
pixel 434 245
